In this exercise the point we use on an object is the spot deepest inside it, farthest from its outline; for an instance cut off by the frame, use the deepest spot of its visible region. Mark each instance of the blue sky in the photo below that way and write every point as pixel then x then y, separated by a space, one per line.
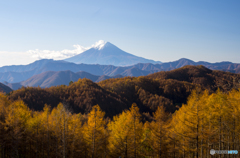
pixel 162 30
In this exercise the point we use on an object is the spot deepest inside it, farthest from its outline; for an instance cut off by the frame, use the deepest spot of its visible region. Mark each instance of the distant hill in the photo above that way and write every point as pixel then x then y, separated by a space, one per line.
pixel 114 95
pixel 13 86
pixel 108 54
pixel 209 79
pixel 224 66
pixel 55 78
pixel 4 88
pixel 37 65
pixel 79 96
pixel 13 77
pixel 51 78
pixel 135 72
pixel 13 74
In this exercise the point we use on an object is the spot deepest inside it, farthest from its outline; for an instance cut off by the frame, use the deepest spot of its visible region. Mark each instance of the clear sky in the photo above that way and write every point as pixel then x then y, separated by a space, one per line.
pixel 162 30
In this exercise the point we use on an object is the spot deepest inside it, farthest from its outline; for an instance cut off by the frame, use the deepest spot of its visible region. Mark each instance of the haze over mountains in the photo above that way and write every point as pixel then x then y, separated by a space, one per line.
pixel 48 72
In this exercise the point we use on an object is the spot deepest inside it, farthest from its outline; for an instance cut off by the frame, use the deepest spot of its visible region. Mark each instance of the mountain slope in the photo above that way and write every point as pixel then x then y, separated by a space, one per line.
pixel 107 54
pixel 224 66
pixel 52 78
pixel 4 88
pixel 135 72
pixel 15 76
pixel 24 68
pixel 104 77
pixel 83 74
pixel 55 78
pixel 80 96
pixel 13 86
pixel 18 73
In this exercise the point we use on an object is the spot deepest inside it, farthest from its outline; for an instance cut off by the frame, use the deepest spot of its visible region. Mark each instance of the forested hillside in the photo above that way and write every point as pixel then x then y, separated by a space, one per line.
pixel 208 79
pixel 206 121
pixel 113 96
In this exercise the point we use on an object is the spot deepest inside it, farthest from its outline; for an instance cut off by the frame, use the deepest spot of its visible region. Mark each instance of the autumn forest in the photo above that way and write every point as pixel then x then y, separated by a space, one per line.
pixel 181 113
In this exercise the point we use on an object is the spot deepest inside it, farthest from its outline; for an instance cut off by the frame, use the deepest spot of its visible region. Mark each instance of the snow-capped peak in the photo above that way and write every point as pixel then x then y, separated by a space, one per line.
pixel 99 45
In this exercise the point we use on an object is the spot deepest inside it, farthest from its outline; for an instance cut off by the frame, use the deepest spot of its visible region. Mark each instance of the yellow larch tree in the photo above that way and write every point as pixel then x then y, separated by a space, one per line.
pixel 4 103
pixel 220 116
pixel 190 126
pixel 17 115
pixel 119 133
pixel 76 140
pixel 94 133
pixel 159 133
pixel 60 122
pixel 136 131
pixel 234 99
pixel 34 137
pixel 126 134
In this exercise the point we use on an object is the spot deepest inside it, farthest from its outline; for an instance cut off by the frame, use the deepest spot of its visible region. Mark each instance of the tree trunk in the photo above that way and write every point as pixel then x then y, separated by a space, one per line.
pixel 126 154
pixel 202 140
pixel 94 135
pixel 48 136
pixel 220 135
pixel 64 145
pixel 135 153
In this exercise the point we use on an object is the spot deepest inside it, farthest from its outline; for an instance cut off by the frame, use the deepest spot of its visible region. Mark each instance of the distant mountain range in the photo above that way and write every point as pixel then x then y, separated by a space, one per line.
pixel 105 53
pixel 14 74
pixel 47 72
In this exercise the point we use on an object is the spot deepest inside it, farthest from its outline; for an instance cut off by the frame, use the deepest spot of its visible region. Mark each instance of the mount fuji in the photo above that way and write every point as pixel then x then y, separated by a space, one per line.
pixel 105 53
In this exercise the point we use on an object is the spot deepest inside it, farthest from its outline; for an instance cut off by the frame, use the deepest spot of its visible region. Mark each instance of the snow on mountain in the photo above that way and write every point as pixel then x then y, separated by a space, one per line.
pixel 99 45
